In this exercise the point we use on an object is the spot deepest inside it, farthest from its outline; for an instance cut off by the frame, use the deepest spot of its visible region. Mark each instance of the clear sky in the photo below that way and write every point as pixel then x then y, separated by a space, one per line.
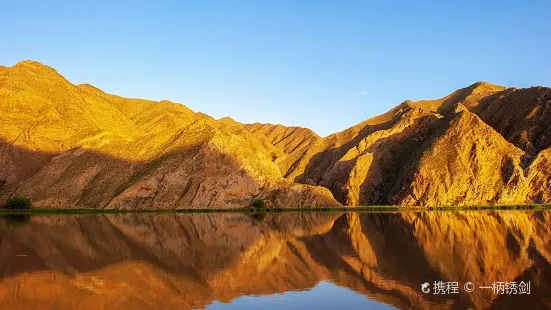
pixel 320 64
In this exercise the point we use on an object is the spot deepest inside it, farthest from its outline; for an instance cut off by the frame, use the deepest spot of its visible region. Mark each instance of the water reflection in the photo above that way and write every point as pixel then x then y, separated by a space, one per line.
pixel 166 261
pixel 324 295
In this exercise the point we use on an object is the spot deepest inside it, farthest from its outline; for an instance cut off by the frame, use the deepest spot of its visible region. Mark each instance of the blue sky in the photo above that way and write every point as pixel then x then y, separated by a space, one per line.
pixel 320 64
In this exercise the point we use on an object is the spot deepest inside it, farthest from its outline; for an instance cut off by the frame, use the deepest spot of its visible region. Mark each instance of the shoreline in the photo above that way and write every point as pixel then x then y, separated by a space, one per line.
pixel 252 210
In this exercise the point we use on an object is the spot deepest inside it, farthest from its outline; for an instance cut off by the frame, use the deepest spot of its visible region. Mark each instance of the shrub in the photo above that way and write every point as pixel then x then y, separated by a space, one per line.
pixel 2 183
pixel 259 204
pixel 18 203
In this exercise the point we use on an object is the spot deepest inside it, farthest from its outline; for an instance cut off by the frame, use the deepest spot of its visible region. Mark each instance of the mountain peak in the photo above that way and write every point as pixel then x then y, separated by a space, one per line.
pixel 482 86
pixel 36 67
pixel 32 64
pixel 482 144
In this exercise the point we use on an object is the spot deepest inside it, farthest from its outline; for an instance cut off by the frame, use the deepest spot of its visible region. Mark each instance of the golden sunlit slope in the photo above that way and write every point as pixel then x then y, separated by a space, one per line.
pixel 63 144
pixel 297 144
pixel 76 146
pixel 484 144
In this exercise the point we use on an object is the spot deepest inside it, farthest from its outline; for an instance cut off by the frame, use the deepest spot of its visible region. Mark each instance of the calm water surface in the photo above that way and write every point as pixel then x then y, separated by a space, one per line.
pixel 274 261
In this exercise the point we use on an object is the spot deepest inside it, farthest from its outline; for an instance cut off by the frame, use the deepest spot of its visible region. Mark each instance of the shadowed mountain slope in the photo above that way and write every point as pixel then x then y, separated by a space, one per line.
pixel 76 146
pixel 484 144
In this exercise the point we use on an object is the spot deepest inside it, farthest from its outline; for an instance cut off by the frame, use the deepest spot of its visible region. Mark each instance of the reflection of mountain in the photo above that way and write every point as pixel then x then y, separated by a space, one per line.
pixel 156 261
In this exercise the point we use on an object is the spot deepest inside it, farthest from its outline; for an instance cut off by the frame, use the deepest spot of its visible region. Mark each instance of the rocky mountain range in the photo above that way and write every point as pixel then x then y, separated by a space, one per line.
pixel 72 146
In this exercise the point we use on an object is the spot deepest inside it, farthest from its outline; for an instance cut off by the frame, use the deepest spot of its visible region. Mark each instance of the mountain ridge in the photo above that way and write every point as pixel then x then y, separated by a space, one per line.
pixel 355 177
pixel 141 153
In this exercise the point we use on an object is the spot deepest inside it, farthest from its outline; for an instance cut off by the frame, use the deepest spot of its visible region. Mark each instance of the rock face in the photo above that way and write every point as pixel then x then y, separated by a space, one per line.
pixel 76 146
pixel 481 145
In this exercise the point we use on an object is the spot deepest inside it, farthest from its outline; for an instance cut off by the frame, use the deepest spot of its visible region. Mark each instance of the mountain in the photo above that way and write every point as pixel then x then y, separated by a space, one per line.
pixel 481 145
pixel 76 146
pixel 66 145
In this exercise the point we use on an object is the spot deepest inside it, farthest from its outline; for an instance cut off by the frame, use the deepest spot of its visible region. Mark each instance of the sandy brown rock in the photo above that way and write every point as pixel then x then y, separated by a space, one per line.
pixel 481 145
pixel 76 146
pixel 297 145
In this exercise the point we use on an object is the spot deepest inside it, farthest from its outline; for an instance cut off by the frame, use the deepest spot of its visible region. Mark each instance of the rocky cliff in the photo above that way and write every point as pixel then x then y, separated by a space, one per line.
pixel 66 145
pixel 76 146
pixel 481 145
